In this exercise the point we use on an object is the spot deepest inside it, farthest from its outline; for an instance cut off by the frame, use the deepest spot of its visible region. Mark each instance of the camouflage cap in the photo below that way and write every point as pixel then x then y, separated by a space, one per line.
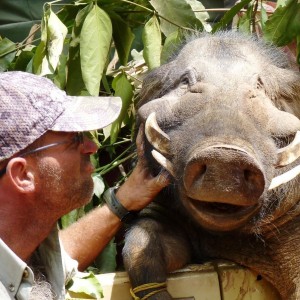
pixel 30 105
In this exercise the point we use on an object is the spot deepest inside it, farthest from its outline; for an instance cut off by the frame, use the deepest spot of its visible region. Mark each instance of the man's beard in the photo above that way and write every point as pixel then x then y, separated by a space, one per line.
pixel 68 193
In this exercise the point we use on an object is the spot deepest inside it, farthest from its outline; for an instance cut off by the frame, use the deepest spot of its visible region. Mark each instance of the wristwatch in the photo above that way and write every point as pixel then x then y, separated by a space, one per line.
pixel 117 208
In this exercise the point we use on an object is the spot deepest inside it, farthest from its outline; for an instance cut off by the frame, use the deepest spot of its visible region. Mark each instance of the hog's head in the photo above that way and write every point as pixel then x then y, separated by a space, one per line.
pixel 222 118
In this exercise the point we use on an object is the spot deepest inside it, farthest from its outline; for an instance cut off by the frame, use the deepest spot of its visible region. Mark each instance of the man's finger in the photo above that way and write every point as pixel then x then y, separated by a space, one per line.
pixel 163 178
pixel 140 145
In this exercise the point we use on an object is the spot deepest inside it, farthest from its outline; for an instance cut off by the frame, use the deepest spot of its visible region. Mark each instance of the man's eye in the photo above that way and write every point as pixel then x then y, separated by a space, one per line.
pixel 78 138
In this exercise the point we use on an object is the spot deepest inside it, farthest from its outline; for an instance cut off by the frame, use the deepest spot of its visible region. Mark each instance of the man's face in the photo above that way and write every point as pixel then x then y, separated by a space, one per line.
pixel 64 173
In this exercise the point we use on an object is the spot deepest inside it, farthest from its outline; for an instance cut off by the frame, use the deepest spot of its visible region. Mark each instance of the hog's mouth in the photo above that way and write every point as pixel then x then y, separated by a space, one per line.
pixel 219 207
pixel 220 216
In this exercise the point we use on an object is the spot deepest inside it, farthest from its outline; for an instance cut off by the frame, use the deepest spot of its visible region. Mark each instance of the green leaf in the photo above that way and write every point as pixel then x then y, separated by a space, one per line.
pixel 178 12
pixel 152 43
pixel 284 25
pixel 123 89
pixel 106 85
pixel 6 46
pixel 294 24
pixel 23 60
pixel 244 23
pixel 57 32
pixel 52 41
pixel 71 217
pixel 227 18
pixel 40 63
pixel 29 67
pixel 282 3
pixel 99 185
pixel 7 53
pixel 68 14
pixel 59 77
pixel 202 16
pixel 79 19
pixel 80 2
pixel 172 42
pixel 95 41
pixel 298 49
pixel 85 284
pixel 107 131
pixel 75 85
pixel 123 37
pixel 106 261
pixel 41 54
pixel 263 17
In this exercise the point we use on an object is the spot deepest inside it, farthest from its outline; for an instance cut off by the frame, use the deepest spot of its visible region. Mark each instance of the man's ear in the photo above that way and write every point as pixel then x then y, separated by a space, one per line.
pixel 21 175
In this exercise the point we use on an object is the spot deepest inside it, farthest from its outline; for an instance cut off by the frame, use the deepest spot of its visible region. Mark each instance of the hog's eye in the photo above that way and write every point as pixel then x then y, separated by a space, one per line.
pixel 184 80
pixel 283 141
pixel 189 77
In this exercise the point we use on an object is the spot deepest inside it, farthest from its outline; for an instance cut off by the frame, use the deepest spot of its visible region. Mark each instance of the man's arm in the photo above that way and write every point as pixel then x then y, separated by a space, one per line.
pixel 86 238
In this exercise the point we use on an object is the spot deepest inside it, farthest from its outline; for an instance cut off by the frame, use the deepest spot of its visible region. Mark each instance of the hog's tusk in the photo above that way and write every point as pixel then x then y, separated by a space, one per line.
pixel 284 178
pixel 156 137
pixel 289 153
pixel 164 162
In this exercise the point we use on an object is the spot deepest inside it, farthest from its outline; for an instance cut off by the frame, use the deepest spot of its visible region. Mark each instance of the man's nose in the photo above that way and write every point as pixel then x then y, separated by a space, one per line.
pixel 89 147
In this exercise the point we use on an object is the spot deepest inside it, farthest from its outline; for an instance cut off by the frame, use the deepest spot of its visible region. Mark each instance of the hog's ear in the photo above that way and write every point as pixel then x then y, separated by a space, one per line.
pixel 156 83
pixel 283 87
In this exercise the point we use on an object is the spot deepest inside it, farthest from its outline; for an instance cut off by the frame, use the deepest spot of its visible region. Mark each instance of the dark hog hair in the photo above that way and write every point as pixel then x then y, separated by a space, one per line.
pixel 218 91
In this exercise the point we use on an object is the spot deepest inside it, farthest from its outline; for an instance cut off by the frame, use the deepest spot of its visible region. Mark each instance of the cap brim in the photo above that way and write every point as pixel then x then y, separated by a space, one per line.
pixel 84 113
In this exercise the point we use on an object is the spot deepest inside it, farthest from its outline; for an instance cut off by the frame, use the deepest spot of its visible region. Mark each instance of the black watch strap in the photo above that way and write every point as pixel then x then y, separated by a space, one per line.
pixel 117 208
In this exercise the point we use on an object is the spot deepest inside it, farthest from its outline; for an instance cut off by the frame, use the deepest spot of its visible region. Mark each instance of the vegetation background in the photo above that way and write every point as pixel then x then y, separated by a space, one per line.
pixel 105 47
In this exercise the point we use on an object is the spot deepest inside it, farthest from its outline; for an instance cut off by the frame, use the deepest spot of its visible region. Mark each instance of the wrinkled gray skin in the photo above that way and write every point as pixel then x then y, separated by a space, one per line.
pixel 221 89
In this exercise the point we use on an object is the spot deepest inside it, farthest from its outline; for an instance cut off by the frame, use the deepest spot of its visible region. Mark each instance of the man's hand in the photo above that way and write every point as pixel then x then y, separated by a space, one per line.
pixel 141 187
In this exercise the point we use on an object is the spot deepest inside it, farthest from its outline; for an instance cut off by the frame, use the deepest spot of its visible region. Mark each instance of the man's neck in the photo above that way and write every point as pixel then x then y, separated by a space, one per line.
pixel 23 231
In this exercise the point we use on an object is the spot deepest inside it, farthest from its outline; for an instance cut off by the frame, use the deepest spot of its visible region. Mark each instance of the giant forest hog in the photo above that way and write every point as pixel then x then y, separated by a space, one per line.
pixel 223 118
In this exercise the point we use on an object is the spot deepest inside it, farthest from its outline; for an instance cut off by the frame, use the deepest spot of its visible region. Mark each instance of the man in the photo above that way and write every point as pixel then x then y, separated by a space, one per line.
pixel 45 172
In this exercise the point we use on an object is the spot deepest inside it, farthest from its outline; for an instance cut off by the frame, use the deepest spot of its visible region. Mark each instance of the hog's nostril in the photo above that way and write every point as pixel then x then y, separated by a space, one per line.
pixel 252 178
pixel 248 175
pixel 202 170
pixel 254 182
pixel 199 172
pixel 194 173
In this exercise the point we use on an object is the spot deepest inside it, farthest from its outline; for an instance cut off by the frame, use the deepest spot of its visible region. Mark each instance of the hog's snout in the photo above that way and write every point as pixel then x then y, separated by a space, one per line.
pixel 224 174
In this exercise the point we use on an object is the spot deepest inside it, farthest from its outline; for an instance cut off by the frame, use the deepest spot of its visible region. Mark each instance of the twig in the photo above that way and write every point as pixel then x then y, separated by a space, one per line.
pixel 117 163
pixel 33 31
pixel 252 20
pixel 155 12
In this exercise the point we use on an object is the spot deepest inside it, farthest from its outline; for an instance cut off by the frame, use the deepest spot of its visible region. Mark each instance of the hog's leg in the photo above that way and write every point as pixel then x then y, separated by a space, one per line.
pixel 152 249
